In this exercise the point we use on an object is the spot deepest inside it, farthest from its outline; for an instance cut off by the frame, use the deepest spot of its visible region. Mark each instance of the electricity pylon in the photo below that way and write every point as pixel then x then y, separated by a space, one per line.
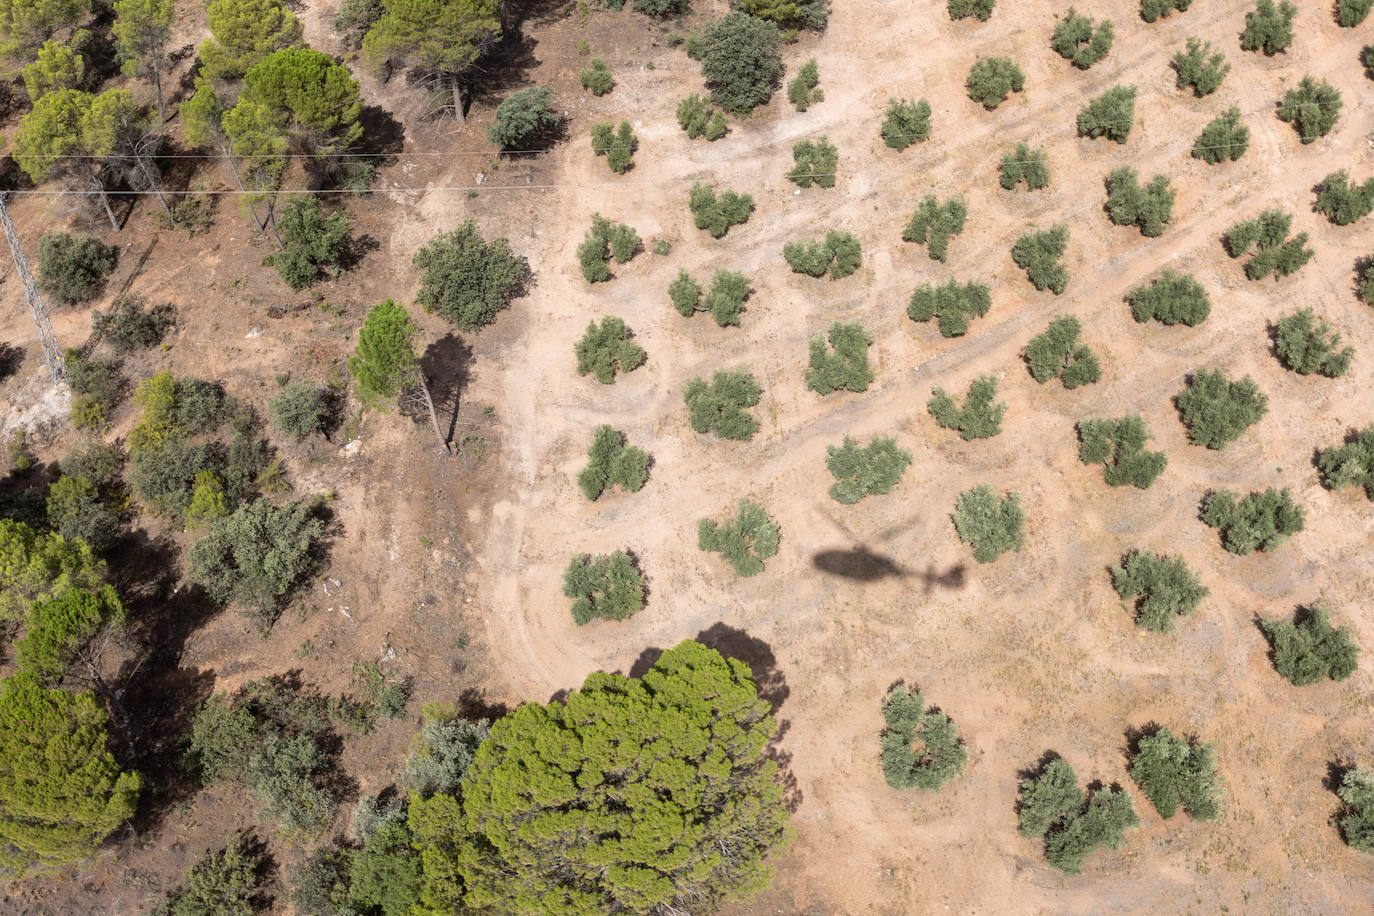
pixel 52 353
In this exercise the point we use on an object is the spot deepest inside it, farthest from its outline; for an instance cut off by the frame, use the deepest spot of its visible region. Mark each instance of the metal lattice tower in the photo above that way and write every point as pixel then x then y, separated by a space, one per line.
pixel 52 354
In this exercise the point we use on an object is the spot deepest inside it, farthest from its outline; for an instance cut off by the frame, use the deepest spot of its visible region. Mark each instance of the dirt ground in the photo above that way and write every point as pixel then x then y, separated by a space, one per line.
pixel 460 572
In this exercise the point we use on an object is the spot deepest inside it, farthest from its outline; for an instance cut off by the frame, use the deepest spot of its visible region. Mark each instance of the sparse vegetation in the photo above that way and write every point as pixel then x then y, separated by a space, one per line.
pixel 1306 344
pixel 1342 201
pixel 611 462
pixel 1260 521
pixel 226 882
pixel 979 418
pixel 1161 587
pixel 744 541
pixel 1217 410
pixel 1224 139
pixel 1312 108
pixel 1080 41
pixel 1038 253
pixel 609 587
pixel 1024 164
pixel 838 254
pixel 941 756
pixel 300 408
pixel 1176 773
pixel 1151 207
pixel 720 407
pixel 1110 115
pixel 816 161
pixel 1119 445
pixel 1349 465
pixel 1056 353
pixel 1265 236
pixel 616 144
pixel 1199 68
pixel 865 470
pixel 1309 649
pixel 952 305
pixel 802 89
pixel 1269 28
pixel 933 223
pixel 989 523
pixel 992 79
pixel 1171 299
pixel 905 122
pixel 606 349
pixel 845 365
pixel 716 213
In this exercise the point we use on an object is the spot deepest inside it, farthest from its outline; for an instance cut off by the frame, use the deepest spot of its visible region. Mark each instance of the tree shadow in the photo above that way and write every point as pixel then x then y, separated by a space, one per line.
pixel 447 365
pixel 506 68
pixel 11 358
pixel 473 704
pixel 1364 273
pixel 1135 734
pixel 24 494
pixel 383 135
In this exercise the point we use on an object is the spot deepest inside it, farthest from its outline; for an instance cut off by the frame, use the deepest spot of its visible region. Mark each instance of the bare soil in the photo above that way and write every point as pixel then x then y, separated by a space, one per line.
pixel 460 571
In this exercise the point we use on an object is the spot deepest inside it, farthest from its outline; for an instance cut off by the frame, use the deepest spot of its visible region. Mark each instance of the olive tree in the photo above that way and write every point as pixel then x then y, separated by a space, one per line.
pixel 744 541
pixel 1224 139
pixel 1312 108
pixel 979 418
pixel 1161 588
pixel 1056 353
pixel 1306 344
pixel 1216 410
pixel 1109 115
pixel 864 470
pixel 938 757
pixel 989 523
pixel 992 79
pixel 1269 28
pixel 1174 773
pixel 1309 649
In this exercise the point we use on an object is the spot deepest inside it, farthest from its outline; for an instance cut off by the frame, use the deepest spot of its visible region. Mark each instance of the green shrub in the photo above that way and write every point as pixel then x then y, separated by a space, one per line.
pixel 273 737
pixel 313 245
pixel 1174 773
pixel 523 119
pixel 257 556
pixel 942 755
pixel 1217 410
pixel 741 61
pixel 744 541
pixel 971 9
pixel 76 512
pixel 1056 353
pixel 467 279
pixel 1357 820
pixel 1162 587
pixel 838 253
pixel 300 408
pixel 1350 13
pixel 699 119
pixel 815 161
pixel 661 9
pixel 616 144
pixel 1342 202
pixel 1038 254
pixel 1269 28
pixel 597 78
pixel 355 18
pixel 933 223
pixel 991 525
pixel 720 407
pixel 224 883
pixel 603 240
pixel 952 305
pixel 905 122
pixel 1260 521
pixel 1109 115
pixel 1119 445
pixel 792 14
pixel 1265 235
pixel 716 213
pixel 1307 344
pixel 1170 299
pixel 845 365
pixel 1200 69
pixel 992 79
pixel 1151 208
pixel 607 586
pixel 861 471
pixel 200 406
pixel 1150 10
pixel 72 268
pixel 1312 108
pixel 1309 649
pixel 386 875
pixel 981 415
pixel 1079 41
pixel 442 753
pixel 1223 139
pixel 801 89
pixel 1349 465
pixel 1024 164
pixel 96 383
pixel 162 474
pixel 319 883
pixel 606 349
pixel 127 327
pixel 1102 823
pixel 610 462
pixel 208 502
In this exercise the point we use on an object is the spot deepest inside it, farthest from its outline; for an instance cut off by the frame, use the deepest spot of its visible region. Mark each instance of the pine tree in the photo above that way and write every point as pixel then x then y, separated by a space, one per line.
pixel 444 38
pixel 384 363
pixel 142 29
